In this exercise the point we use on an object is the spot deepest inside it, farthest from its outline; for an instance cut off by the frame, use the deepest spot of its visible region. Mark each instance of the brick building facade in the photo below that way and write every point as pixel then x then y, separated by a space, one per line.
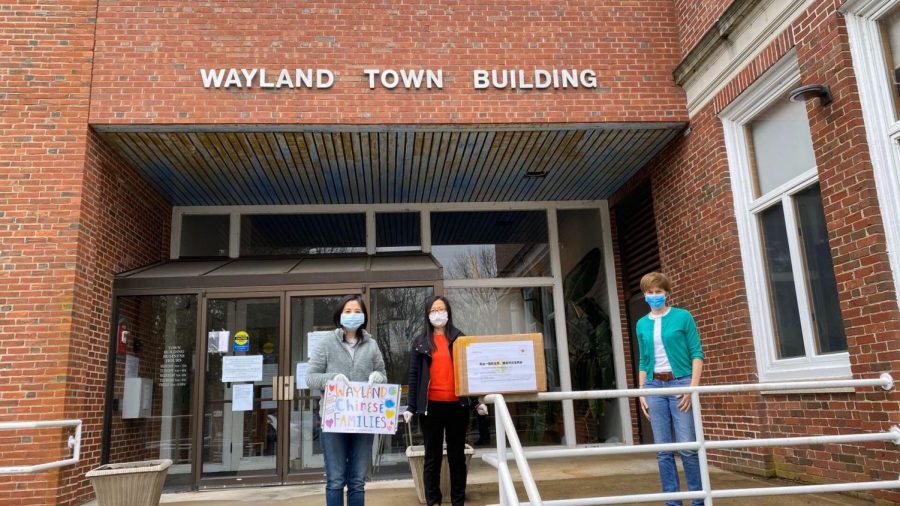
pixel 94 90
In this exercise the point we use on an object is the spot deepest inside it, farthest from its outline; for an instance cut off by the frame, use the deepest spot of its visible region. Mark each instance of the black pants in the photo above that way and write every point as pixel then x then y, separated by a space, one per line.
pixel 453 419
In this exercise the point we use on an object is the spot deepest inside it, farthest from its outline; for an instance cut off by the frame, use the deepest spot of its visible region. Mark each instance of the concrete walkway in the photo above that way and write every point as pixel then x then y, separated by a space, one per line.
pixel 557 479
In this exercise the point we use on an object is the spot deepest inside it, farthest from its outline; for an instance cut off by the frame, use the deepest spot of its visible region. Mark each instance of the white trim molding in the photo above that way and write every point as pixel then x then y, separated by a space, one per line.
pixel 746 39
pixel 774 84
pixel 879 116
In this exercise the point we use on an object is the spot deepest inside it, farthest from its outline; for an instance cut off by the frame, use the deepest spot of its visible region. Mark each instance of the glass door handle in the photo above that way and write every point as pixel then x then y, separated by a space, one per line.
pixel 283 388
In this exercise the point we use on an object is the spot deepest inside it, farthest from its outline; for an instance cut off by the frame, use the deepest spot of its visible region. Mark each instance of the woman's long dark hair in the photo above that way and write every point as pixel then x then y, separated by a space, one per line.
pixel 429 328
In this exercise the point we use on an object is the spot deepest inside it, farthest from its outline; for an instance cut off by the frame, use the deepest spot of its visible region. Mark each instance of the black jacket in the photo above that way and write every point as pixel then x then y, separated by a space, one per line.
pixel 420 373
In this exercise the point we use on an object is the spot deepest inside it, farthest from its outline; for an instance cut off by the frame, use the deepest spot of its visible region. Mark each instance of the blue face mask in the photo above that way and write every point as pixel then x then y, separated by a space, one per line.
pixel 352 321
pixel 656 301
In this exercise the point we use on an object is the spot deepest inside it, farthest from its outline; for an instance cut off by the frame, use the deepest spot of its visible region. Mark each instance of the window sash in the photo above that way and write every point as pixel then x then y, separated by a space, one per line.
pixel 798 266
pixel 776 82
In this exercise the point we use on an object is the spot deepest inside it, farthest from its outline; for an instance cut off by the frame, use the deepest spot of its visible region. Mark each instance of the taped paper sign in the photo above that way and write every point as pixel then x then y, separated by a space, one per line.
pixel 360 408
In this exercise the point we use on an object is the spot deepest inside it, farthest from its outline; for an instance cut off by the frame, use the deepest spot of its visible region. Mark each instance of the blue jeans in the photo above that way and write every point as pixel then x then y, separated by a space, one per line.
pixel 664 414
pixel 346 463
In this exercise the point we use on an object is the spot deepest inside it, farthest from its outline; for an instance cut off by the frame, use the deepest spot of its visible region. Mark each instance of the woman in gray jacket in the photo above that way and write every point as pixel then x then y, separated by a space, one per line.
pixel 348 354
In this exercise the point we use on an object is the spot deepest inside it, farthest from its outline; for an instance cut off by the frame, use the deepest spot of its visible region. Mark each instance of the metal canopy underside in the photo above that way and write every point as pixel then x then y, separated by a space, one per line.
pixel 346 164
pixel 222 273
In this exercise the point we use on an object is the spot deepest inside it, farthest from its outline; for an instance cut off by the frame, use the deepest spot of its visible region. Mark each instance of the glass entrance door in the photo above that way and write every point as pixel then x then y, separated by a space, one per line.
pixel 240 417
pixel 398 317
pixel 311 318
pixel 260 422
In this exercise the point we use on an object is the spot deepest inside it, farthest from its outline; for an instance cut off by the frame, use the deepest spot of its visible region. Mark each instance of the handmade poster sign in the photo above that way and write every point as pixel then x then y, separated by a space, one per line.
pixel 360 408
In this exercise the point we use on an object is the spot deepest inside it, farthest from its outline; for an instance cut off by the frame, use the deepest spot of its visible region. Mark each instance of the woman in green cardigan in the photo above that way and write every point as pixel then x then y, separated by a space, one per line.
pixel 670 356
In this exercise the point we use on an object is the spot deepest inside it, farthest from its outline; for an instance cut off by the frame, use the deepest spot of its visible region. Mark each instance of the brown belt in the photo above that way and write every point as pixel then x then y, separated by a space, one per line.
pixel 663 376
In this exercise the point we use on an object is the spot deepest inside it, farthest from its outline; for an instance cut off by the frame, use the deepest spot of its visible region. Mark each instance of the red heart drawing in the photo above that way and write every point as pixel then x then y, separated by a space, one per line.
pixel 331 388
pixel 329 422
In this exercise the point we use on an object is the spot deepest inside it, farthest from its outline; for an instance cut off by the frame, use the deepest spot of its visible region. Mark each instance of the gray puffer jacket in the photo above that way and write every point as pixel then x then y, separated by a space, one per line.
pixel 331 358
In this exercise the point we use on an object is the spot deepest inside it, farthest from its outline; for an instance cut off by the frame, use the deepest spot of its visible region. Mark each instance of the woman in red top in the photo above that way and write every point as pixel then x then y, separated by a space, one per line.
pixel 432 394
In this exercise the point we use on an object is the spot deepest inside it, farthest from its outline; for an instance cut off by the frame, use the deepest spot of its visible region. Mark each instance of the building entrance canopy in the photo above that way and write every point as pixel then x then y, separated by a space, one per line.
pixel 197 274
pixel 349 164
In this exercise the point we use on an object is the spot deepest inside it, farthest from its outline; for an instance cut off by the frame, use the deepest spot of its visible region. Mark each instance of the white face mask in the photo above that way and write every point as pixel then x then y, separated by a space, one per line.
pixel 438 318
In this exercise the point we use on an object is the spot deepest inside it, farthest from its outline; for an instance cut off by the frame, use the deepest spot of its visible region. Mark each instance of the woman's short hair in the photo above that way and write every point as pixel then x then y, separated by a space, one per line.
pixel 340 309
pixel 656 280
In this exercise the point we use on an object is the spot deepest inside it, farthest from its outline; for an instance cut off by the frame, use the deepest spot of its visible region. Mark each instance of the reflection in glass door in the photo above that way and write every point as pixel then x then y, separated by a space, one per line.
pixel 311 317
pixel 240 418
pixel 398 317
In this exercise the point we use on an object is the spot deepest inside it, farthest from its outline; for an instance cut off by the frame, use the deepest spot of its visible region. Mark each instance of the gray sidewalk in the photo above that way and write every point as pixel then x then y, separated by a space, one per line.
pixel 557 479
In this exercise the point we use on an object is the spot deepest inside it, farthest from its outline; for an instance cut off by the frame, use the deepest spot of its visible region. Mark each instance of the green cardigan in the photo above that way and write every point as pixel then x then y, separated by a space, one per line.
pixel 680 339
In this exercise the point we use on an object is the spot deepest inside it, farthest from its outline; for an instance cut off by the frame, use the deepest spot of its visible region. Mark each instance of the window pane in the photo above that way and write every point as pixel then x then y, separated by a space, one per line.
pixel 783 295
pixel 302 234
pixel 587 324
pixel 159 356
pixel 489 311
pixel 890 29
pixel 820 272
pixel 394 230
pixel 204 236
pixel 398 317
pixel 782 145
pixel 503 244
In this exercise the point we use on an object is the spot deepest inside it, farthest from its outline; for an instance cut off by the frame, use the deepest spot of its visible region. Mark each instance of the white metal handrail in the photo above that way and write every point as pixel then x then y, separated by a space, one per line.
pixel 74 444
pixel 506 430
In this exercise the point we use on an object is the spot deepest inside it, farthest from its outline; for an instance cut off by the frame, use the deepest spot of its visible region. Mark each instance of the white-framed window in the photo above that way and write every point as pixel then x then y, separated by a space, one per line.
pixel 873 27
pixel 794 311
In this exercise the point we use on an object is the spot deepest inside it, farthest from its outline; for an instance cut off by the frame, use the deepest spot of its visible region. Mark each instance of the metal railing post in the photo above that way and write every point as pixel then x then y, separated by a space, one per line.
pixel 501 452
pixel 701 452
pixel 73 444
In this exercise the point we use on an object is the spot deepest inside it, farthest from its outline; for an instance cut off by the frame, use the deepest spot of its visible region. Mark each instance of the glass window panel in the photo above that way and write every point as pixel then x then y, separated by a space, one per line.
pixel 782 292
pixel 890 29
pixel 396 230
pixel 491 244
pixel 829 326
pixel 782 145
pixel 204 235
pixel 160 349
pixel 398 316
pixel 490 311
pixel 235 442
pixel 587 324
pixel 308 314
pixel 302 234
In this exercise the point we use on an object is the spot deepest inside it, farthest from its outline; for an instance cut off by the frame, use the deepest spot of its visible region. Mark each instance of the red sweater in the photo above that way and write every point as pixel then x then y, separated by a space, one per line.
pixel 442 386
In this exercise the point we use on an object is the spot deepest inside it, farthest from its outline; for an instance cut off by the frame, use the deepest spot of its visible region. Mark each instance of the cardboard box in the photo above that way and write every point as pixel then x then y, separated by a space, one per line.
pixel 503 364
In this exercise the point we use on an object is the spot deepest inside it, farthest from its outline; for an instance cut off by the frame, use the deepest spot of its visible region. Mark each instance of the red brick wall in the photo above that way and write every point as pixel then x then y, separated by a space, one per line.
pixel 125 224
pixel 71 214
pixel 695 18
pixel 149 56
pixel 699 248
pixel 47 51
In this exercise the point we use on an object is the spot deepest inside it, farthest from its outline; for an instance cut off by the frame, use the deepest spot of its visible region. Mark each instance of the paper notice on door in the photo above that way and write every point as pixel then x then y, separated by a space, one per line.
pixel 246 368
pixel 300 377
pixel 242 397
pixel 218 341
pixel 313 338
